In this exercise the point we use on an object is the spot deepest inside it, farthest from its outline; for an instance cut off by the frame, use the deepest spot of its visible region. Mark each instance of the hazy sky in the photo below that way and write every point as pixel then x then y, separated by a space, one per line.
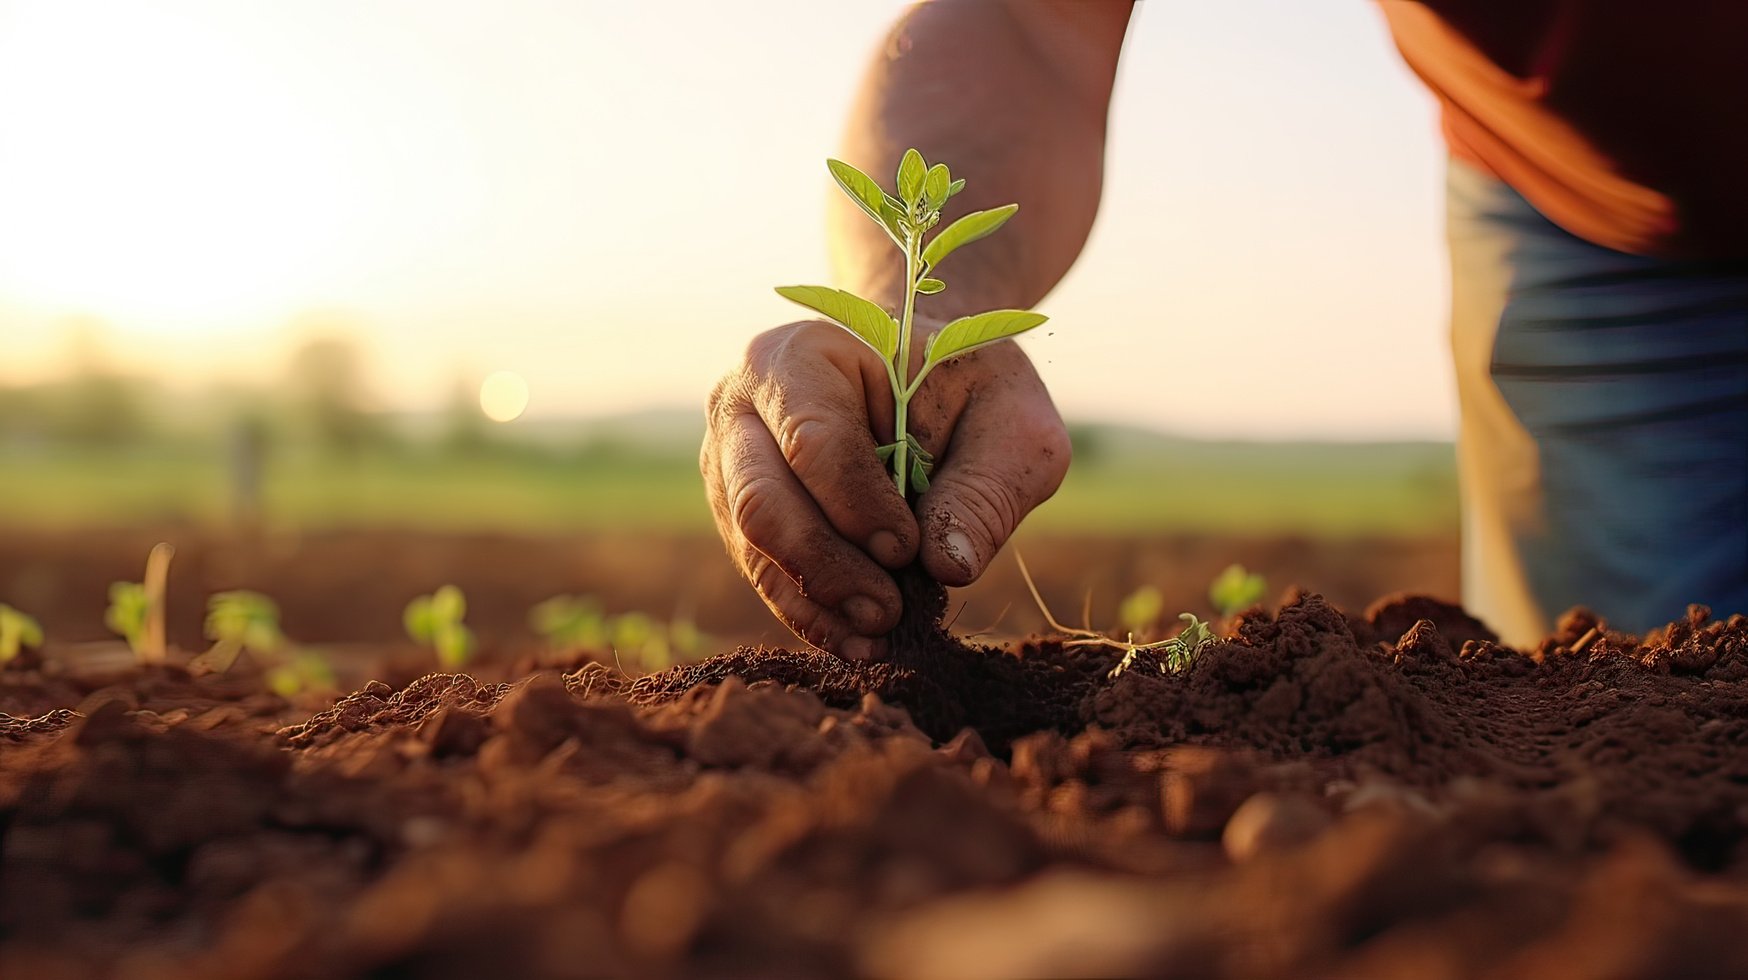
pixel 599 196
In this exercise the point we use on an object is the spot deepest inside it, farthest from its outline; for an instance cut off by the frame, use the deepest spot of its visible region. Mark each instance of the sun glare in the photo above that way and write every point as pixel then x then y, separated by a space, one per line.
pixel 152 171
pixel 503 396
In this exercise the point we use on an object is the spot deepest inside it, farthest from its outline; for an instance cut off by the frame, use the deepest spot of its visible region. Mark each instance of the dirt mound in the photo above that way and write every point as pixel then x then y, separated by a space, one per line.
pixel 1391 794
pixel 1605 739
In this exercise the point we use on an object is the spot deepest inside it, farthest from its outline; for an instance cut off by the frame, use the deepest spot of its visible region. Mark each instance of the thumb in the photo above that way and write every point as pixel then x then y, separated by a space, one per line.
pixel 996 471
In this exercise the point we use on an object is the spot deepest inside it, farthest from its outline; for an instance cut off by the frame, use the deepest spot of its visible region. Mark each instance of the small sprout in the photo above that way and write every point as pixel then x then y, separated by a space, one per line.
pixel 136 609
pixel 303 671
pixel 1140 611
pixel 1176 654
pixel 922 191
pixel 17 631
pixel 242 620
pixel 1235 590
pixel 574 623
pixel 570 623
pixel 435 620
pixel 1181 650
pixel 126 615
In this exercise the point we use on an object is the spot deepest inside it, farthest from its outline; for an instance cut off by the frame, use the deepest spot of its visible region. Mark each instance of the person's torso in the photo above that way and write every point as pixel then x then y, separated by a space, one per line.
pixel 1625 123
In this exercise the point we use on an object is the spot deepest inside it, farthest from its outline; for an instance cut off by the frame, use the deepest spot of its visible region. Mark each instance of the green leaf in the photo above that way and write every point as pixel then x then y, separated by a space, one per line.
pixel 126 615
pixel 1194 635
pixel 873 325
pixel 1235 590
pixel 919 475
pixel 929 287
pixel 421 625
pixel 968 333
pixel 911 173
pixel 917 450
pixel 885 452
pixel 1141 609
pixel 454 646
pixel 448 605
pixel 285 681
pixel 244 619
pixel 955 187
pixel 967 229
pixel 867 194
pixel 935 184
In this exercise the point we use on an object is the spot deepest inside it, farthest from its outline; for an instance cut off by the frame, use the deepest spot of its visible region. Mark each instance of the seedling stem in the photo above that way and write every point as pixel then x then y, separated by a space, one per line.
pixel 922 191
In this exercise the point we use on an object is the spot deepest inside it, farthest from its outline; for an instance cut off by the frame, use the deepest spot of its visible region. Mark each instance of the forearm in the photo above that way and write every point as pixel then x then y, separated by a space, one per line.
pixel 1022 119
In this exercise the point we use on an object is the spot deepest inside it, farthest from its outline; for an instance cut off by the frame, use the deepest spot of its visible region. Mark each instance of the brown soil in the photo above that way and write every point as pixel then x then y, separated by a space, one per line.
pixel 1390 794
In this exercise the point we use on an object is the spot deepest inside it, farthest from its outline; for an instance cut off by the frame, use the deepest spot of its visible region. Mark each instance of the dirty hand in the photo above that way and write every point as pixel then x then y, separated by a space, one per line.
pixel 810 513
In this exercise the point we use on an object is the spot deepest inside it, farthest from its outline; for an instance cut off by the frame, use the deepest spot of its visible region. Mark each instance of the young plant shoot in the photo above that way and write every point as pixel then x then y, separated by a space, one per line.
pixel 906 219
pixel 1236 589
pixel 435 620
pixel 126 615
pixel 572 624
pixel 17 631
pixel 1175 653
pixel 240 620
pixel 136 609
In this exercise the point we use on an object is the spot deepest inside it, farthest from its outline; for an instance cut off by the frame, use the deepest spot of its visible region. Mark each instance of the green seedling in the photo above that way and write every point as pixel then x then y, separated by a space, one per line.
pixel 573 623
pixel 238 621
pixel 906 219
pixel 1176 653
pixel 1235 590
pixel 1141 609
pixel 435 620
pixel 136 609
pixel 17 631
pixel 299 672
pixel 126 615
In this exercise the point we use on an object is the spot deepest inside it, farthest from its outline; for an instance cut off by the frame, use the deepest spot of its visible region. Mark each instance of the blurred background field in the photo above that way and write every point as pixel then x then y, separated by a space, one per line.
pixel 1124 481
pixel 342 513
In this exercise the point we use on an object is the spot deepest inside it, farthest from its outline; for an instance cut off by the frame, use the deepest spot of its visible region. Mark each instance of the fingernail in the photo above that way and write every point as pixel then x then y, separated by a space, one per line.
pixel 862 612
pixel 958 548
pixel 883 545
pixel 860 648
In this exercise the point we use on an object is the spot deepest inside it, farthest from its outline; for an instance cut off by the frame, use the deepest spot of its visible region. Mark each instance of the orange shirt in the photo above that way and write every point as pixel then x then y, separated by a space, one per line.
pixel 1624 121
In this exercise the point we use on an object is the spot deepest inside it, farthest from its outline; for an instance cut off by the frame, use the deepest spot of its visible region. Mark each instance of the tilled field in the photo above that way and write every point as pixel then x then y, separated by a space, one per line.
pixel 1390 794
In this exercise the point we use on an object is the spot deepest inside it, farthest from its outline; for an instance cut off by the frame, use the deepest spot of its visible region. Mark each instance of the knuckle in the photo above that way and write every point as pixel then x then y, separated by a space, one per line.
pixel 764 345
pixel 784 343
pixel 990 502
pixel 726 399
pixel 807 441
pixel 753 510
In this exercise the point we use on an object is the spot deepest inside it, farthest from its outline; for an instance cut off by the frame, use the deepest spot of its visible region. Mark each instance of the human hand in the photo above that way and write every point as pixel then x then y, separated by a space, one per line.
pixel 810 513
